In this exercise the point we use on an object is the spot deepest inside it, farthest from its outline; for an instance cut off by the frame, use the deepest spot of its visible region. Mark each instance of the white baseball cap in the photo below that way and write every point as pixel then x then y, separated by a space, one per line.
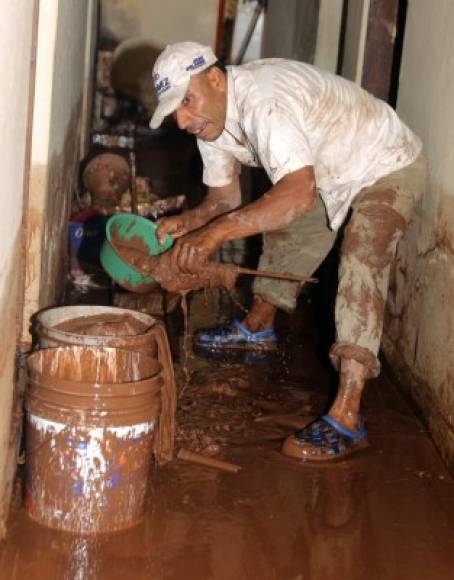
pixel 172 72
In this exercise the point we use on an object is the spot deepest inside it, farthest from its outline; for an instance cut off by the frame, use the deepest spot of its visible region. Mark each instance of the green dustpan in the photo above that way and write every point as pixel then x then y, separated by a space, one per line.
pixel 129 226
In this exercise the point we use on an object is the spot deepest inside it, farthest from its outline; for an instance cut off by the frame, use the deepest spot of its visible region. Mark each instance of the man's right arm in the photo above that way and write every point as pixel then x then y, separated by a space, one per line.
pixel 219 200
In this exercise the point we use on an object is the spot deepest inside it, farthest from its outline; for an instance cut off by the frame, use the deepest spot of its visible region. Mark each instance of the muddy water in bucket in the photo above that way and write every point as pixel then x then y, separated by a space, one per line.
pixel 96 326
pixel 92 417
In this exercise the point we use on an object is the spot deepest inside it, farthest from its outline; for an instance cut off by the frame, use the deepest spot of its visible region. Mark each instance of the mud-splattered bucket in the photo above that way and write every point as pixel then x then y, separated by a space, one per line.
pixel 96 326
pixel 86 325
pixel 92 417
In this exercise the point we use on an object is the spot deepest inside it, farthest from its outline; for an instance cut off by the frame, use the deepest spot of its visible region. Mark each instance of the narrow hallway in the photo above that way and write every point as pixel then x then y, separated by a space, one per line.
pixel 270 134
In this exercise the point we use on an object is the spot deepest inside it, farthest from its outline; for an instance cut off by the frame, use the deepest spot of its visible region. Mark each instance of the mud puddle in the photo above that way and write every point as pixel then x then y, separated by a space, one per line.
pixel 386 515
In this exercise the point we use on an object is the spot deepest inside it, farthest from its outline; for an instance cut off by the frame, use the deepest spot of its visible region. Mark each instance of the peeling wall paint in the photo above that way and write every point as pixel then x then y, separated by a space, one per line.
pixel 419 329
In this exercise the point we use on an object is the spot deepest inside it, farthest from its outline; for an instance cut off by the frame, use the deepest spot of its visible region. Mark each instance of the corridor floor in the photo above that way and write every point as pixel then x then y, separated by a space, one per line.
pixel 386 514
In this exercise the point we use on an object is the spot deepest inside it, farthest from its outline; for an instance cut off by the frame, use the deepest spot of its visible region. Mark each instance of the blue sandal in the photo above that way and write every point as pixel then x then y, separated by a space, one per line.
pixel 325 440
pixel 235 336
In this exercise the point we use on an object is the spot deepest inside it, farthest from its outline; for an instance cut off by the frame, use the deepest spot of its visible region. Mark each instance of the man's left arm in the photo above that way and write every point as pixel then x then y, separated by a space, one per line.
pixel 291 197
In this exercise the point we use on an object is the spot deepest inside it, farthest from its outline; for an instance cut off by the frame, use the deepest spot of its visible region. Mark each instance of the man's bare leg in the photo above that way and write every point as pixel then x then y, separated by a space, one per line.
pixel 345 409
pixel 260 316
pixel 314 443
pixel 257 335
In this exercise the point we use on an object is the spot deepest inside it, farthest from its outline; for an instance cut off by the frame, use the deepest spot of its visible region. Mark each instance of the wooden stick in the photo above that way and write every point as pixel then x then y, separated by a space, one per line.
pixel 239 269
pixel 279 275
pixel 132 161
pixel 200 459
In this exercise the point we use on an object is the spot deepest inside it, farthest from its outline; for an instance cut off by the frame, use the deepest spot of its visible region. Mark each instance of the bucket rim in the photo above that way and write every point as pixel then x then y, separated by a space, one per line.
pixel 41 316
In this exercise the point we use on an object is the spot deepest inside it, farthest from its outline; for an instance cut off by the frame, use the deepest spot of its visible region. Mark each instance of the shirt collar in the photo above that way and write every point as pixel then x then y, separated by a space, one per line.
pixel 232 106
pixel 232 114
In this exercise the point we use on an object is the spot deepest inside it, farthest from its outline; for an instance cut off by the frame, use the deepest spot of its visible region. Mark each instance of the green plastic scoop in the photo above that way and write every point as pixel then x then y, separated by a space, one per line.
pixel 128 226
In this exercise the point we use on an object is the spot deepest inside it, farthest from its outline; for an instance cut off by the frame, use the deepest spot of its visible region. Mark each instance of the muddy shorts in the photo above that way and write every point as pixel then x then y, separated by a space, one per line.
pixel 377 221
pixel 300 249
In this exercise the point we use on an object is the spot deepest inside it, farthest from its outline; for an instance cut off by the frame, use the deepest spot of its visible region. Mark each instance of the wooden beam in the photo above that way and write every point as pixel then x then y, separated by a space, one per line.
pixel 379 50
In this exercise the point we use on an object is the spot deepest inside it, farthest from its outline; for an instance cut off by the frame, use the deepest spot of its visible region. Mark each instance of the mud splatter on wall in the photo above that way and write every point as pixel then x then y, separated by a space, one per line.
pixel 15 49
pixel 419 330
pixel 60 74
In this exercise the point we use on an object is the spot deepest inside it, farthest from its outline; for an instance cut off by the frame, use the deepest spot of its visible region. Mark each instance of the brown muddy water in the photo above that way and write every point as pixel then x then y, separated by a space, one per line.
pixel 387 513
pixel 104 325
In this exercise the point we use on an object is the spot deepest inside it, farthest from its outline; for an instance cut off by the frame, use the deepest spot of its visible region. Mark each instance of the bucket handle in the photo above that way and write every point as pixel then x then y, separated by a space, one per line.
pixel 165 440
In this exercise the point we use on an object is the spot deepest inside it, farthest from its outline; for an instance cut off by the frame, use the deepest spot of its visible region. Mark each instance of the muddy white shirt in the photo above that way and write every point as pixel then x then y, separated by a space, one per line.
pixel 285 115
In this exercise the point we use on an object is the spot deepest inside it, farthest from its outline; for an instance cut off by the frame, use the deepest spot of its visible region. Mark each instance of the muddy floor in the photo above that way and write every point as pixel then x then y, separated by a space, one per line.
pixel 387 513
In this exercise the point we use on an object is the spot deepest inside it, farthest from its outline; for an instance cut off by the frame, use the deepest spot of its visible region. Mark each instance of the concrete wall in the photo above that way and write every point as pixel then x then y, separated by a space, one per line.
pixel 291 31
pixel 419 332
pixel 63 33
pixel 328 33
pixel 40 125
pixel 159 21
pixel 15 58
pixel 355 38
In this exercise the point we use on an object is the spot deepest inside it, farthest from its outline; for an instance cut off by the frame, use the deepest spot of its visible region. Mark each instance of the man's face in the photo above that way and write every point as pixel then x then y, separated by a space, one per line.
pixel 203 109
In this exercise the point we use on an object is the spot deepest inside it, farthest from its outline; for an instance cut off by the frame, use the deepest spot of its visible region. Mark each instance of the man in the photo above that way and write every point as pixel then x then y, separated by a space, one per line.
pixel 333 153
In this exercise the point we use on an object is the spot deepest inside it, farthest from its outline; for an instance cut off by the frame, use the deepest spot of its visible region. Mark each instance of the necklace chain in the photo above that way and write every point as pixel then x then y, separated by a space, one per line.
pixel 246 142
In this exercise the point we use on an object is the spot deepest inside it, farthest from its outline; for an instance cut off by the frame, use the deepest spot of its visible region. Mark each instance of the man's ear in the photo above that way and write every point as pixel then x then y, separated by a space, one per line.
pixel 217 79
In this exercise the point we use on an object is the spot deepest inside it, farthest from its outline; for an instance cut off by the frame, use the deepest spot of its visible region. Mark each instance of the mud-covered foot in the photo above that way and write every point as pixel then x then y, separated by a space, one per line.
pixel 324 440
pixel 235 336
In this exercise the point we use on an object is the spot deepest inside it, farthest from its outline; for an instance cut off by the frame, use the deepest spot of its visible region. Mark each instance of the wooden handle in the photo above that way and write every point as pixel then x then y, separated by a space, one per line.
pixel 278 275
pixel 187 455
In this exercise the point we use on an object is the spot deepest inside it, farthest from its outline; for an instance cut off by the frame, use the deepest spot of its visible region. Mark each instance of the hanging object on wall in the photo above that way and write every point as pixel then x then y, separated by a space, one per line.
pixel 248 31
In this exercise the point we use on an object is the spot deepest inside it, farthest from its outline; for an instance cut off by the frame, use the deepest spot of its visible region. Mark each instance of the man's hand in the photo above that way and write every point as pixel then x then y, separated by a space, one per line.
pixel 219 200
pixel 192 251
pixel 177 226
